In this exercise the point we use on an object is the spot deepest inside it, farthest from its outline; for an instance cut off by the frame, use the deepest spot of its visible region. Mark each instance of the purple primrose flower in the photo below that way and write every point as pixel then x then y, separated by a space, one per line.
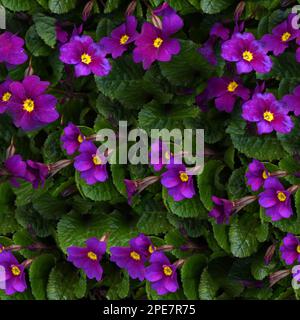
pixel 16 168
pixel 222 210
pixel 256 175
pixel 290 249
pixel 36 173
pixel 11 49
pixel 72 138
pixel 293 101
pixel 160 155
pixel 5 95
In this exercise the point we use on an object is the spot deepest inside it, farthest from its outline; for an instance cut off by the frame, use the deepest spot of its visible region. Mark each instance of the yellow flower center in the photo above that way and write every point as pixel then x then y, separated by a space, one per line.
pixel 168 271
pixel 91 255
pixel 268 116
pixel 80 138
pixel 86 58
pixel 97 161
pixel 167 155
pixel 281 196
pixel 248 56
pixel 265 175
pixel 6 96
pixel 28 105
pixel 151 249
pixel 15 271
pixel 298 248
pixel 135 256
pixel 1 249
pixel 184 177
pixel 232 86
pixel 158 42
pixel 124 39
pixel 285 37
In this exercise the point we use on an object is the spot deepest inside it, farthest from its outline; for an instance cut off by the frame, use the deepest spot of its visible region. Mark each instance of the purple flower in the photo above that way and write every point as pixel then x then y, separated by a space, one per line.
pixel 87 56
pixel 290 249
pixel 16 168
pixel 268 113
pixel 11 49
pixel 276 200
pixel 219 31
pixel 159 155
pixel 5 95
pixel 72 138
pixel 226 91
pixel 14 274
pixel 162 274
pixel 29 106
pixel 293 101
pixel 155 44
pixel 120 38
pixel 91 164
pixel 281 35
pixel 61 35
pixel 222 210
pixel 133 258
pixel 131 189
pixel 296 274
pixel 256 175
pixel 178 182
pixel 247 53
pixel 88 258
pixel 36 173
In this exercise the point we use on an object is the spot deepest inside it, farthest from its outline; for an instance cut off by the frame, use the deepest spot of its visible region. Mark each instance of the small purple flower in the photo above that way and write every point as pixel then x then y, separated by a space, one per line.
pixel 87 56
pixel 72 138
pixel 222 210
pixel 120 38
pixel 88 258
pixel 281 35
pixel 91 164
pixel 14 274
pixel 133 258
pixel 5 95
pixel 61 35
pixel 276 200
pixel 179 184
pixel 16 168
pixel 293 101
pixel 36 173
pixel 155 44
pixel 256 175
pixel 160 155
pixel 268 113
pixel 162 274
pixel 11 49
pixel 290 249
pixel 247 53
pixel 29 105
pixel 226 91
pixel 131 189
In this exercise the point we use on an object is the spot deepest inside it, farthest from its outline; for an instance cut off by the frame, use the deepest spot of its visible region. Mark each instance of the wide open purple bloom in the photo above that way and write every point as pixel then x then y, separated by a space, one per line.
pixel 36 173
pixel 72 138
pixel 5 95
pixel 132 258
pixel 179 184
pixel 226 91
pixel 222 210
pixel 88 258
pixel 29 105
pixel 268 113
pixel 281 35
pixel 290 249
pixel 293 101
pixel 160 155
pixel 120 38
pixel 247 52
pixel 87 56
pixel 162 274
pixel 154 44
pixel 11 49
pixel 256 175
pixel 276 200
pixel 90 163
pixel 14 273
pixel 16 167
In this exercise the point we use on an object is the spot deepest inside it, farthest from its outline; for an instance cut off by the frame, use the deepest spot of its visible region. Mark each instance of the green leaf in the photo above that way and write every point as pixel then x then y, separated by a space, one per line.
pixel 221 235
pixel 61 6
pixel 38 275
pixel 242 235
pixel 208 287
pixel 237 184
pixel 45 28
pixel 118 176
pixel 215 6
pixel 24 239
pixel 111 5
pixel 190 275
pixel 153 223
pixel 66 283
pixel 35 44
pixel 17 5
